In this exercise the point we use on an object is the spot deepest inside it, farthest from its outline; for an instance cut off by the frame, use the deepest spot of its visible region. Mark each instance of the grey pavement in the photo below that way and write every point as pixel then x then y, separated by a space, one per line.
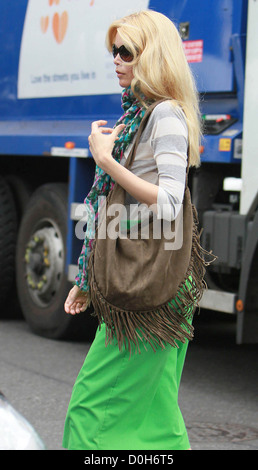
pixel 218 395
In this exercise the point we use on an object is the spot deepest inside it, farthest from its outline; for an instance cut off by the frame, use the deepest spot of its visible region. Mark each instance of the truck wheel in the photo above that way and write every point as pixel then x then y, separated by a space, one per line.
pixel 8 231
pixel 21 192
pixel 40 262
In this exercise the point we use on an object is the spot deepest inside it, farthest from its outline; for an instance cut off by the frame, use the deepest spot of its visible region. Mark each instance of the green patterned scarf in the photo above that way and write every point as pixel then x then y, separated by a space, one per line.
pixel 103 183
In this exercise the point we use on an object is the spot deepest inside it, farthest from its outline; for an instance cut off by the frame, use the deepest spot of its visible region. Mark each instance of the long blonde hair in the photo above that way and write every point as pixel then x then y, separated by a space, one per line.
pixel 160 67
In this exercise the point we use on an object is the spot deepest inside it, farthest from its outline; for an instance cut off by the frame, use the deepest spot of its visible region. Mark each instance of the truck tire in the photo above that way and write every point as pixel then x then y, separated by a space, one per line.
pixel 40 262
pixel 21 191
pixel 8 231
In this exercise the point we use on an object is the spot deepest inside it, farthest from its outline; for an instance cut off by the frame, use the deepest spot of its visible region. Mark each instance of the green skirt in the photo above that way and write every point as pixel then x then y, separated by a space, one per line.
pixel 127 402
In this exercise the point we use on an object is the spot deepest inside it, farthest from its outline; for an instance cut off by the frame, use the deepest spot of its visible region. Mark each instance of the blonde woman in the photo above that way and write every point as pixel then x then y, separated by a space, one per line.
pixel 123 401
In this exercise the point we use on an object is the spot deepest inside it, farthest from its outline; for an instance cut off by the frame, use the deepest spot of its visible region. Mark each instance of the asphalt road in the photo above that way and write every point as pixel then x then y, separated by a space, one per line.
pixel 218 395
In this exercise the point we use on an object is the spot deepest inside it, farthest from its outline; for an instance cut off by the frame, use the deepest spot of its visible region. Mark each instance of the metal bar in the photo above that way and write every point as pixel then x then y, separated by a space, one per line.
pixel 219 301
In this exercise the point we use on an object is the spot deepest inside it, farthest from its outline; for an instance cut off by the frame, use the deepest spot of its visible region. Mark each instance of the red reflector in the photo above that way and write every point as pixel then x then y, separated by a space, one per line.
pixel 69 145
pixel 239 305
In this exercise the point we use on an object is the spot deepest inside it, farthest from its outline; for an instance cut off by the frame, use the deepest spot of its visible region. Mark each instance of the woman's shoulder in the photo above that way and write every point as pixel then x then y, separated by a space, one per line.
pixel 170 114
pixel 166 109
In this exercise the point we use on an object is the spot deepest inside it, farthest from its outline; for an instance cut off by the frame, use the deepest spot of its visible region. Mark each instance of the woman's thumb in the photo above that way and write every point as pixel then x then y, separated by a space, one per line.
pixel 118 129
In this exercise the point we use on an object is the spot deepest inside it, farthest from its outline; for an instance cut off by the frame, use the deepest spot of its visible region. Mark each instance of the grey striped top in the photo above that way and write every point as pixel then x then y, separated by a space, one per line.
pixel 161 158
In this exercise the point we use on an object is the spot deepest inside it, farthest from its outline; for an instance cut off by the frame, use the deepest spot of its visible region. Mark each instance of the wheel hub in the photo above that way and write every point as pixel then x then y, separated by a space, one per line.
pixel 44 258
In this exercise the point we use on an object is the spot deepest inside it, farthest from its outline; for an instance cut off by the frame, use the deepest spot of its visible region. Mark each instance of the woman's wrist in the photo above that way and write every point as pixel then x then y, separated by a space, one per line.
pixel 106 163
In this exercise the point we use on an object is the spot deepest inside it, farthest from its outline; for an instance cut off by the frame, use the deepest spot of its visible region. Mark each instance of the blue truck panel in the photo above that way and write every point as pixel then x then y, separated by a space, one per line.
pixel 221 48
pixel 228 19
pixel 211 22
pixel 56 77
pixel 33 126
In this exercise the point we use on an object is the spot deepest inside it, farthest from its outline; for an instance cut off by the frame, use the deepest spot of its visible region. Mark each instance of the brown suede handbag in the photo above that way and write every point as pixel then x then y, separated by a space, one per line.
pixel 141 290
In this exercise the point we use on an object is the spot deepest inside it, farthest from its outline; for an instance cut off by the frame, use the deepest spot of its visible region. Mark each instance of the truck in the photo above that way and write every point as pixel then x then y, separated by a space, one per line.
pixel 56 78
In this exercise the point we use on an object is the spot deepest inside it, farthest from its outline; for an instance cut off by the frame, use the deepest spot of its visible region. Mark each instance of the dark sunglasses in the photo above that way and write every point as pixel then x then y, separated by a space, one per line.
pixel 125 55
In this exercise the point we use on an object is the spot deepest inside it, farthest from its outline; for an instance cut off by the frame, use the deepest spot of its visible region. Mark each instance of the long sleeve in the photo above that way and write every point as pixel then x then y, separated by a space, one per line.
pixel 169 142
pixel 161 158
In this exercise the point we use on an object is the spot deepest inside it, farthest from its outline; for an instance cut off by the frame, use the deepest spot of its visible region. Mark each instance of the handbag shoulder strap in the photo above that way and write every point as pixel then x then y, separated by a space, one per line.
pixel 131 156
pixel 145 119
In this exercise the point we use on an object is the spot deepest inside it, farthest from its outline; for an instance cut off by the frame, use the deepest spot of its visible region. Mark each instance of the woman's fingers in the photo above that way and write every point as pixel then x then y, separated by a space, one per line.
pixel 71 302
pixel 97 124
pixel 101 142
pixel 118 129
pixel 74 308
pixel 77 308
pixel 70 299
pixel 106 130
pixel 77 301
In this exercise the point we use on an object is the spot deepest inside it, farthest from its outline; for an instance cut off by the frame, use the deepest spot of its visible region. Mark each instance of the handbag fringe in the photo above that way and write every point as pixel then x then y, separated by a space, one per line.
pixel 166 323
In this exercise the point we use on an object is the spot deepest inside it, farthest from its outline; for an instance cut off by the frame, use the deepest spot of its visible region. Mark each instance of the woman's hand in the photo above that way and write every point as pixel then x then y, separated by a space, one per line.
pixel 101 145
pixel 77 301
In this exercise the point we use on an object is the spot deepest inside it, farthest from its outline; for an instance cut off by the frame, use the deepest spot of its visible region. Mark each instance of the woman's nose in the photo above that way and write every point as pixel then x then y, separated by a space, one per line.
pixel 117 59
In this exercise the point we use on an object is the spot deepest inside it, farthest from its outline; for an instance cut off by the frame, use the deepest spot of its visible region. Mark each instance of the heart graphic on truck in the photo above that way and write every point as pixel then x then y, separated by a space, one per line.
pixel 59 22
pixel 44 21
pixel 59 26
